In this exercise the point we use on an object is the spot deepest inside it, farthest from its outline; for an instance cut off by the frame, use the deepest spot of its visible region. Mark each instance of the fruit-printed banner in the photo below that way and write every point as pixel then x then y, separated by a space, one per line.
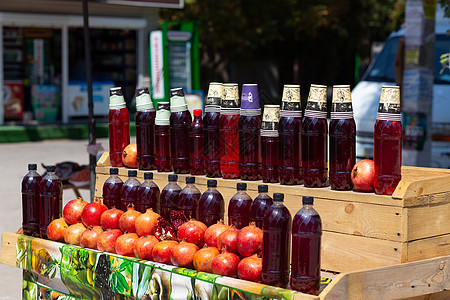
pixel 89 274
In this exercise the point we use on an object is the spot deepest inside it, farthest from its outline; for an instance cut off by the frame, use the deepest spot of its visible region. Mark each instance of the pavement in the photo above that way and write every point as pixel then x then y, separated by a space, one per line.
pixel 14 159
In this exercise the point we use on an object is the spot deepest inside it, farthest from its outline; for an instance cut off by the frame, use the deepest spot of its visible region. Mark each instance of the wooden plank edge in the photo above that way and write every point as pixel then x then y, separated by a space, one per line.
pixel 392 282
pixel 427 186
pixel 104 160
pixel 8 249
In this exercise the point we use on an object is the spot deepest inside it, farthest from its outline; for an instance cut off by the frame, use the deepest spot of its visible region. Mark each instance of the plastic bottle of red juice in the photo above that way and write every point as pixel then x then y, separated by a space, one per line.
pixel 147 195
pixel 269 143
pixel 162 138
pixel 170 196
pixel 260 205
pixel 30 201
pixel 188 199
pixel 211 205
pixel 239 207
pixel 112 188
pixel 145 130
pixel 128 193
pixel 196 142
pixel 51 199
pixel 119 126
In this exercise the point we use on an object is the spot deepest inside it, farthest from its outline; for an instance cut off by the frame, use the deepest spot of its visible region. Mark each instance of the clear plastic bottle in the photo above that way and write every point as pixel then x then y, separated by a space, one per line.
pixel 306 241
pixel 239 207
pixel 211 205
pixel 50 191
pixel 260 205
pixel 112 189
pixel 128 193
pixel 148 195
pixel 145 130
pixel 30 201
pixel 169 197
pixel 196 142
pixel 188 199
pixel 119 126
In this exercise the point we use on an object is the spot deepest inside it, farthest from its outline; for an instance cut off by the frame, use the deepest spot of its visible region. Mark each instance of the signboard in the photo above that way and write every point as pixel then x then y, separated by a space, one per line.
pixel 157 64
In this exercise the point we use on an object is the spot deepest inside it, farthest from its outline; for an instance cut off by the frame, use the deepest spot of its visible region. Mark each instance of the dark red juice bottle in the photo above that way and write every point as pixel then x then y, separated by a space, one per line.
pixel 314 138
pixel 388 142
pixel 249 127
pixel 342 135
pixel 169 197
pixel 30 201
pixel 211 134
pixel 145 130
pixel 306 240
pixel 196 142
pixel 289 154
pixel 269 143
pixel 188 199
pixel 119 126
pixel 128 193
pixel 260 205
pixel 276 244
pixel 147 195
pixel 229 131
pixel 239 207
pixel 180 119
pixel 112 189
pixel 50 191
pixel 162 138
pixel 211 205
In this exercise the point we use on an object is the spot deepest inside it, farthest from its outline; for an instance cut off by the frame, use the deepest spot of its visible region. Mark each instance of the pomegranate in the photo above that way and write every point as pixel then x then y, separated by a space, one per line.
pixel 177 218
pixel 204 257
pixel 164 231
pixel 192 232
pixel 73 233
pixel 90 216
pixel 161 252
pixel 55 230
pixel 225 264
pixel 362 175
pixel 213 232
pixel 249 268
pixel 89 237
pixel 72 211
pixel 146 222
pixel 125 244
pixel 107 240
pixel 144 247
pixel 182 255
pixel 249 240
pixel 228 240
pixel 110 218
pixel 128 219
pixel 129 156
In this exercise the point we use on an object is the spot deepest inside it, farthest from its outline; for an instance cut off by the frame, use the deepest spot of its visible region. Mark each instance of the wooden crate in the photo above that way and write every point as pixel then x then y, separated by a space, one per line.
pixel 360 230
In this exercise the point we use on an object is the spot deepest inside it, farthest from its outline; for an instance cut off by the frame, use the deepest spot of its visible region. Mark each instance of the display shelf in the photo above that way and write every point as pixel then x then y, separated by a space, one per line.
pixel 360 230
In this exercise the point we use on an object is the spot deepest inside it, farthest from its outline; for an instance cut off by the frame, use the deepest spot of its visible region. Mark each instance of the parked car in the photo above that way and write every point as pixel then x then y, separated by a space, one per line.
pixel 366 95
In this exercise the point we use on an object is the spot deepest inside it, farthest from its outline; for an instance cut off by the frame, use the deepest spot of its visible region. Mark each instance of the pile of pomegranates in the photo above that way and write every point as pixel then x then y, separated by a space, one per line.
pixel 219 249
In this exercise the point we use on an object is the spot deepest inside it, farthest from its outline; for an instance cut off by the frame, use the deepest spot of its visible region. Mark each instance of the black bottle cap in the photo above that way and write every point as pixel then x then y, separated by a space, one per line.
pixel 51 168
pixel 307 200
pixel 173 177
pixel 241 186
pixel 113 171
pixel 278 197
pixel 32 167
pixel 148 175
pixel 132 173
pixel 263 188
pixel 190 179
pixel 212 183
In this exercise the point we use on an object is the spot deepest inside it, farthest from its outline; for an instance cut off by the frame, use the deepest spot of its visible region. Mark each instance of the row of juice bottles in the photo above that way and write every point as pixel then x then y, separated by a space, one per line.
pixel 232 140
pixel 267 213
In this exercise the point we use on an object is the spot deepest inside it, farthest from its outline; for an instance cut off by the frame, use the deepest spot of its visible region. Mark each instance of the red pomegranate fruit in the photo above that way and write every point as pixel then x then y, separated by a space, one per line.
pixel 144 247
pixel 225 264
pixel 192 232
pixel 228 240
pixel 249 240
pixel 73 233
pixel 363 174
pixel 249 268
pixel 92 212
pixel 161 252
pixel 145 223
pixel 128 219
pixel 89 237
pixel 204 257
pixel 164 230
pixel 182 255
pixel 110 218
pixel 72 211
pixel 213 232
pixel 125 244
pixel 55 230
pixel 107 240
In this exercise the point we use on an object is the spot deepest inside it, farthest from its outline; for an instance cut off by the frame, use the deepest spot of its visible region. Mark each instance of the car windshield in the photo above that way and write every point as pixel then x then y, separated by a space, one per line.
pixel 384 67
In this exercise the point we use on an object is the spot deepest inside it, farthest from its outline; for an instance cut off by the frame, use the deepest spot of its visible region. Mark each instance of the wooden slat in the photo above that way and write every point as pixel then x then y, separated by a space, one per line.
pixel 422 185
pixel 428 248
pixel 394 282
pixel 428 221
pixel 104 160
pixel 438 198
pixel 8 249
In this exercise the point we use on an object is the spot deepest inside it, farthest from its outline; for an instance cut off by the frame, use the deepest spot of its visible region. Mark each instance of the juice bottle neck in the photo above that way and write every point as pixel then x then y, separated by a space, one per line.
pixel 132 181
pixel 190 188
pixel 51 176
pixel 172 186
pixel 197 119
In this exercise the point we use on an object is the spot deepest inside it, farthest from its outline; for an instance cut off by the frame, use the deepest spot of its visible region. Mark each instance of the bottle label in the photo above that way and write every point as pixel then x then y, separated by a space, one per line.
pixel 250 112
pixel 389 100
pixel 215 93
pixel 143 100
pixel 116 100
pixel 342 99
pixel 317 98
pixel 291 98
pixel 162 117
pixel 270 117
pixel 230 96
